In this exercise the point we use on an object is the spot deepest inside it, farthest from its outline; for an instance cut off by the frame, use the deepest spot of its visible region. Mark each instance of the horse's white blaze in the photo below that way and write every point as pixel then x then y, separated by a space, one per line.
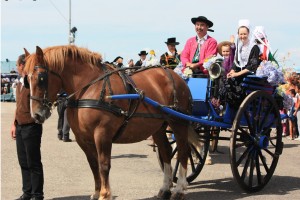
pixel 167 177
pixel 181 182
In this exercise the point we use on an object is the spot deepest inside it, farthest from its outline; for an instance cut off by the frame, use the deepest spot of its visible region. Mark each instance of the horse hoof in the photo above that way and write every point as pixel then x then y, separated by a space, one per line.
pixel 164 194
pixel 177 196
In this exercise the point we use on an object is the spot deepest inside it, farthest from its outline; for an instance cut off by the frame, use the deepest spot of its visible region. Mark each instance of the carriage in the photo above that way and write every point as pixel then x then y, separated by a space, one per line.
pixel 256 132
pixel 106 106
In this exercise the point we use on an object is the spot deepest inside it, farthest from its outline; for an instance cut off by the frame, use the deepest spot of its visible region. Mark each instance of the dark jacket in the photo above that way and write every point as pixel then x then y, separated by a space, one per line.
pixel 169 61
pixel 253 61
pixel 139 63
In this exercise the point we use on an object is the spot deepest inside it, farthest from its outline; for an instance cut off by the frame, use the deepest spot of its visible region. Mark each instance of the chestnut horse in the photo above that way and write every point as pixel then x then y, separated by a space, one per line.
pixel 97 121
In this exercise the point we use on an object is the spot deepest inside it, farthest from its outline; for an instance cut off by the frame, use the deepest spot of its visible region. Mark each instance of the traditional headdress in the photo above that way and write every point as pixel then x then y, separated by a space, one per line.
pixel 264 46
pixel 245 23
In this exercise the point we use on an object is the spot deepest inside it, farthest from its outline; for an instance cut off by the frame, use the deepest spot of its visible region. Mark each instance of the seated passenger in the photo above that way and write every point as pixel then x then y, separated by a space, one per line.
pixel 247 55
pixel 227 49
pixel 171 57
pixel 199 47
pixel 247 59
pixel 143 55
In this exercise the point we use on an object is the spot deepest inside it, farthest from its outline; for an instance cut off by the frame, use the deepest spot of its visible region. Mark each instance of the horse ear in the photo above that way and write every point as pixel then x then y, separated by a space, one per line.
pixel 26 53
pixel 39 53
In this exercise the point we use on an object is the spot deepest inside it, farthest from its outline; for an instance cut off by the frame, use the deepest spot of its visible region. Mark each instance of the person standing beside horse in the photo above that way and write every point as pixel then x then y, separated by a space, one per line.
pixel 28 136
pixel 63 126
pixel 199 47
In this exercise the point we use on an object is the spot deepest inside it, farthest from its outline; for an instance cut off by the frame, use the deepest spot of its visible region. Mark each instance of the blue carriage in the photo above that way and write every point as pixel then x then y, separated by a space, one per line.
pixel 255 127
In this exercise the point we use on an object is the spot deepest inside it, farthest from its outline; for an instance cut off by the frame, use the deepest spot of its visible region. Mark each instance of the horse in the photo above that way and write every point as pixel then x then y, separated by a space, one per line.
pixel 98 121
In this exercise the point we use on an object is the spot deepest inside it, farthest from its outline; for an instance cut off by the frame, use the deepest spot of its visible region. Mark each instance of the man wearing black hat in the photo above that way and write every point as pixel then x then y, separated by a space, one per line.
pixel 199 47
pixel 171 58
pixel 143 55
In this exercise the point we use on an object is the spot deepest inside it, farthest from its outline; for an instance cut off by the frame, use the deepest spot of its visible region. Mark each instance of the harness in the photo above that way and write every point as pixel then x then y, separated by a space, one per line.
pixel 130 88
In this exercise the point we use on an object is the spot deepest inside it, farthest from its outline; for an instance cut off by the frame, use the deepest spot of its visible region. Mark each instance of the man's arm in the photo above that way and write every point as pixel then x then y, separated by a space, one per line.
pixel 185 54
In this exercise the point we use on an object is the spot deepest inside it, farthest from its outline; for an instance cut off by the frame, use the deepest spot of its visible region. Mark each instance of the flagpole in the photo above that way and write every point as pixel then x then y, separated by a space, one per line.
pixel 69 31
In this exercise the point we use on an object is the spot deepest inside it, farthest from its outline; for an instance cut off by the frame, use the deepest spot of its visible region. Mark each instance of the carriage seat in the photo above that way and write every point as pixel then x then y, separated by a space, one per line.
pixel 252 83
pixel 198 88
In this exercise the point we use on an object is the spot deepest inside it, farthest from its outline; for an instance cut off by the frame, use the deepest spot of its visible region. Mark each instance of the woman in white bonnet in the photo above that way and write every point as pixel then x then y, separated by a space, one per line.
pixel 247 53
pixel 246 61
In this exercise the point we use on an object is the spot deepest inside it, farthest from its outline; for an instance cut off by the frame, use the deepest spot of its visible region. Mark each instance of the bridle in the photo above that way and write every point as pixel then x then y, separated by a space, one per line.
pixel 43 84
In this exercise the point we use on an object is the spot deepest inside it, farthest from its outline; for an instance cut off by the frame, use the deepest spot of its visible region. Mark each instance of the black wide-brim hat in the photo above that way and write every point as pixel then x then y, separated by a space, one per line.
pixel 143 53
pixel 172 41
pixel 202 19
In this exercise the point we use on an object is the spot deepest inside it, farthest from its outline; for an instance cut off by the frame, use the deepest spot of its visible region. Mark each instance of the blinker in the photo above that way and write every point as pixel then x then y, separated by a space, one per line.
pixel 26 83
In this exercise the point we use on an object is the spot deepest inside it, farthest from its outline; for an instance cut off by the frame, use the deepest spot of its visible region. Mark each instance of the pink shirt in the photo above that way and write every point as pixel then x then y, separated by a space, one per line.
pixel 208 49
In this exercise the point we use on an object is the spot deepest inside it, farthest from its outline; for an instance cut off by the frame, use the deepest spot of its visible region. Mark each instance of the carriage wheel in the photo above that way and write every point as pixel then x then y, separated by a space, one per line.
pixel 256 141
pixel 196 157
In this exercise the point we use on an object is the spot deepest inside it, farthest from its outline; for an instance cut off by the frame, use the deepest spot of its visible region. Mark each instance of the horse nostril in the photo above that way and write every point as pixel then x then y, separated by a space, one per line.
pixel 38 118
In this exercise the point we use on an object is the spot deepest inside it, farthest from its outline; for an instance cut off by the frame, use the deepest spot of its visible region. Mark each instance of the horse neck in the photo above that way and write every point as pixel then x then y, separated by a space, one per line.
pixel 77 75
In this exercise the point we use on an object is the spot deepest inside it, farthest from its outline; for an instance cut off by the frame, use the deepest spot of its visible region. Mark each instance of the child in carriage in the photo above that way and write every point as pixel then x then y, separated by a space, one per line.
pixel 226 49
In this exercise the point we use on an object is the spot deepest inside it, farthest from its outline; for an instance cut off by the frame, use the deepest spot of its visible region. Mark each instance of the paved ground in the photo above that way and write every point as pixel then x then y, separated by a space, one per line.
pixel 135 173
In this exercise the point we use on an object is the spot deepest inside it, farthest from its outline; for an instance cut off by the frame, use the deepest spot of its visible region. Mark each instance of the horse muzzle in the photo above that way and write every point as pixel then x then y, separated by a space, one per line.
pixel 41 116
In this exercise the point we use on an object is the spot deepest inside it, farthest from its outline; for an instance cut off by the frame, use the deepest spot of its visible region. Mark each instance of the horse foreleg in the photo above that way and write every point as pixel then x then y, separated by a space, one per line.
pixel 181 135
pixel 92 157
pixel 93 162
pixel 165 192
pixel 178 192
pixel 165 151
pixel 104 146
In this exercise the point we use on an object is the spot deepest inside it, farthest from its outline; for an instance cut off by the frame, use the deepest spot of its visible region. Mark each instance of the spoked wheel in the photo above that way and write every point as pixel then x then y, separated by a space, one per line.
pixel 256 141
pixel 196 158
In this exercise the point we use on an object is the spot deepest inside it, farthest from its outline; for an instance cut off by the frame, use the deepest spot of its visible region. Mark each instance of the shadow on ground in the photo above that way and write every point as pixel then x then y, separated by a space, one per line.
pixel 129 156
pixel 229 189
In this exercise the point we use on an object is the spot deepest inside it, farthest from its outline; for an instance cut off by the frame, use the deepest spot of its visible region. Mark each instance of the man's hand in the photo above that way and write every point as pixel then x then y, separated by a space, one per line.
pixel 13 131
pixel 191 65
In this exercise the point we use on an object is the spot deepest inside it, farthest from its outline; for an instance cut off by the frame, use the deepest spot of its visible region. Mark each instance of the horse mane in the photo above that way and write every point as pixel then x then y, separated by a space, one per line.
pixel 55 57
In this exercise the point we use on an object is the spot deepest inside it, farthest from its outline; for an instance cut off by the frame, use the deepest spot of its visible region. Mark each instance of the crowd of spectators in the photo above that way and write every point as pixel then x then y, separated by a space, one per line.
pixel 8 85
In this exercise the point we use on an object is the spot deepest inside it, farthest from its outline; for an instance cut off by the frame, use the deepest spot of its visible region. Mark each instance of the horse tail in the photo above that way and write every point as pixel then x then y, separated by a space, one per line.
pixel 198 140
pixel 193 137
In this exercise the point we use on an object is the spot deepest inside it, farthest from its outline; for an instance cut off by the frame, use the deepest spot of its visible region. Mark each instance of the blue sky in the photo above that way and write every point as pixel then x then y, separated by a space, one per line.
pixel 124 28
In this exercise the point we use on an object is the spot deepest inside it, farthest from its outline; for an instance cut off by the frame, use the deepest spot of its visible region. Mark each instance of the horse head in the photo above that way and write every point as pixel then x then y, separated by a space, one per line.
pixel 39 78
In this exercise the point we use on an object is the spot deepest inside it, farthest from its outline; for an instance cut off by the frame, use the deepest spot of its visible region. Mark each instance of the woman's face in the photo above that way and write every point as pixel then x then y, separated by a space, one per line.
pixel 243 34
